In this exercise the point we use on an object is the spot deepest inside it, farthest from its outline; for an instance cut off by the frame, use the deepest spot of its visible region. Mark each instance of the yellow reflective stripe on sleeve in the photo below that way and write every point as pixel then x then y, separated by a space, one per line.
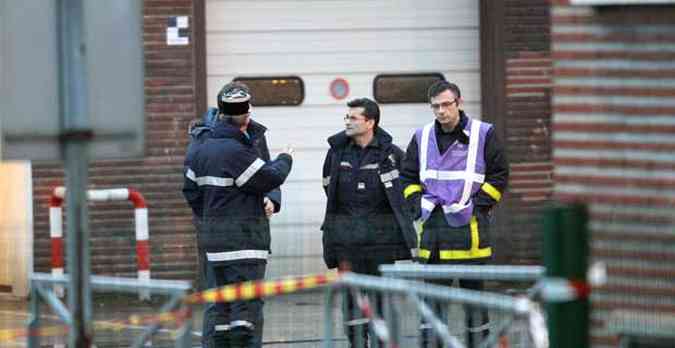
pixel 474 252
pixel 412 188
pixel 491 191
pixel 425 254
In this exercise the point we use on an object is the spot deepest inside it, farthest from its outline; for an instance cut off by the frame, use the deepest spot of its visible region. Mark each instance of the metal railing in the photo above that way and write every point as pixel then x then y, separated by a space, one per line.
pixel 520 308
pixel 482 272
pixel 512 273
pixel 174 289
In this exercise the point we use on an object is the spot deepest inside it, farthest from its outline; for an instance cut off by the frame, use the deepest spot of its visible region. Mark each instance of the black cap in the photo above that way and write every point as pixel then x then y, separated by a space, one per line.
pixel 234 99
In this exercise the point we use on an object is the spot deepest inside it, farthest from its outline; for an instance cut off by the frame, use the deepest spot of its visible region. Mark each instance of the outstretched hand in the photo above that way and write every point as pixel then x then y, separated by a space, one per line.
pixel 288 149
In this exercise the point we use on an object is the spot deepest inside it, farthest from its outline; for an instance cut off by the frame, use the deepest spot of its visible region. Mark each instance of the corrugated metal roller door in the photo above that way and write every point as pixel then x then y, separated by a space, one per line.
pixel 320 41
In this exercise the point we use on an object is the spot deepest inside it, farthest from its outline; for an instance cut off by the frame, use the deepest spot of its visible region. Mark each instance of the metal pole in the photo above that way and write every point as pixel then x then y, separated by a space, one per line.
pixel 565 257
pixel 356 330
pixel 328 318
pixel 34 322
pixel 391 318
pixel 173 304
pixel 55 304
pixel 75 137
pixel 439 327
pixel 184 339
pixel 484 272
pixel 519 306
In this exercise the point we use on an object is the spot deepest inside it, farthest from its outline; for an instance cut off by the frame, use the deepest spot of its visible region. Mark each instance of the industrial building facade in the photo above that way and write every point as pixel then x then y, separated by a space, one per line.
pixel 582 96
pixel 496 51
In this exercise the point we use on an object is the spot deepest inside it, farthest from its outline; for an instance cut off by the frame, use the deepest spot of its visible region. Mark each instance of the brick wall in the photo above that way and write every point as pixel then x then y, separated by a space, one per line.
pixel 171 102
pixel 613 138
pixel 527 127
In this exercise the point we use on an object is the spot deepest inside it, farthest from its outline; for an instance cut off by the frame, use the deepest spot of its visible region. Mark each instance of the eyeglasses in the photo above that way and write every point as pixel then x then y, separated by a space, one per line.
pixel 444 105
pixel 353 118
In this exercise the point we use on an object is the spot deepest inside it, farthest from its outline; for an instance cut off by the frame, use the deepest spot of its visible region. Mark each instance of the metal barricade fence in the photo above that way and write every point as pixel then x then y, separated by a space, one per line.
pixel 482 272
pixel 174 289
pixel 386 329
pixel 502 273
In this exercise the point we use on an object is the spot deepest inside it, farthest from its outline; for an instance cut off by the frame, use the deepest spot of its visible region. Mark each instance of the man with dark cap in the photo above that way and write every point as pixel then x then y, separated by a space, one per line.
pixel 232 187
pixel 366 222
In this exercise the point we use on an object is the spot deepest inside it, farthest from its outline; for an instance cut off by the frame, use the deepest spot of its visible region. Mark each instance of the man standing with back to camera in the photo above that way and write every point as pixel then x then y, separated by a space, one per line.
pixel 454 173
pixel 366 222
pixel 228 180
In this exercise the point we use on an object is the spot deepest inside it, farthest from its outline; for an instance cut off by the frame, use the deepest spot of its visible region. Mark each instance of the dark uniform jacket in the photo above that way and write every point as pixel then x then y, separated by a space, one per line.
pixel 366 214
pixel 455 244
pixel 201 130
pixel 225 183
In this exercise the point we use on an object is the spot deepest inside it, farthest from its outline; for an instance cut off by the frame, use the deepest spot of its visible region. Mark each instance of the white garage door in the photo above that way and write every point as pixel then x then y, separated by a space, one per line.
pixel 319 41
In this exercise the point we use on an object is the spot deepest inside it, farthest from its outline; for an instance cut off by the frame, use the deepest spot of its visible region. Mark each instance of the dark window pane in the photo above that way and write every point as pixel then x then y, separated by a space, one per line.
pixel 275 90
pixel 404 88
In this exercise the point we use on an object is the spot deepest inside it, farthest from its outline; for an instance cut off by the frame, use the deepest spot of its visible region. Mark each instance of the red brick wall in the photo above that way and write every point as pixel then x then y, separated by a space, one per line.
pixel 170 104
pixel 527 127
pixel 613 135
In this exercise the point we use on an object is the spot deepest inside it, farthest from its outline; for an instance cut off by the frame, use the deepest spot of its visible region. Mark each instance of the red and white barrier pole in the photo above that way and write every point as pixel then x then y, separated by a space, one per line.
pixel 142 234
pixel 141 227
pixel 56 235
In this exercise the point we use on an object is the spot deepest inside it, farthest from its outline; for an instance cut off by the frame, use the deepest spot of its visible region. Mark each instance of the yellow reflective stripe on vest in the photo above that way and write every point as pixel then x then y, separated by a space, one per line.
pixel 472 253
pixel 425 254
pixel 412 188
pixel 491 191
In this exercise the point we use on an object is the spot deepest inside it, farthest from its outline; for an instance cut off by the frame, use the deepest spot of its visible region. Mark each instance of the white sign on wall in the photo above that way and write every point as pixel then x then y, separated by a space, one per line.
pixel 177 31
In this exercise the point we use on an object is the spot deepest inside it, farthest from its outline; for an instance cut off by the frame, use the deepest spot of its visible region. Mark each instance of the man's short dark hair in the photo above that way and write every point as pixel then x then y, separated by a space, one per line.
pixel 441 86
pixel 370 109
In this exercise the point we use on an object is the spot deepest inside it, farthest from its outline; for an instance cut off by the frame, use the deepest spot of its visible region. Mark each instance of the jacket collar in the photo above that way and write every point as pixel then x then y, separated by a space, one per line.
pixel 463 119
pixel 224 129
pixel 205 124
pixel 459 130
pixel 341 140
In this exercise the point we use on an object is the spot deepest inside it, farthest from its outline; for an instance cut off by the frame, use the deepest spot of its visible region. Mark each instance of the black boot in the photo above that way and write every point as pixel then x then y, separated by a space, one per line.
pixel 353 334
pixel 477 326
pixel 241 337
pixel 427 338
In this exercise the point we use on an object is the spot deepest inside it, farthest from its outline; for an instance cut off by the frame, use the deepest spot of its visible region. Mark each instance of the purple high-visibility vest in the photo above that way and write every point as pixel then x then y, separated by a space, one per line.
pixel 450 179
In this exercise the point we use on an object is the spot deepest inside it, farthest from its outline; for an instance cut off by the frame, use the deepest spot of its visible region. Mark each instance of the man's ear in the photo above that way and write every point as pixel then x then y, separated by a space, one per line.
pixel 372 123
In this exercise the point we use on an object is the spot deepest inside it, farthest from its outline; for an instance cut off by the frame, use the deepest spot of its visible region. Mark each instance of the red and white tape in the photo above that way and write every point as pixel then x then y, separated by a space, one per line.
pixel 556 289
pixel 260 289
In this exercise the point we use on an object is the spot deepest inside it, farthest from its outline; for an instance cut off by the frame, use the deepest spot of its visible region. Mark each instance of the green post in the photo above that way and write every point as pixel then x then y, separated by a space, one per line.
pixel 566 257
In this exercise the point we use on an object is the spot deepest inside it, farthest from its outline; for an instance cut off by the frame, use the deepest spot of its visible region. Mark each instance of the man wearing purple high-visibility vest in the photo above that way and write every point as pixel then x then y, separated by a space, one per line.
pixel 454 173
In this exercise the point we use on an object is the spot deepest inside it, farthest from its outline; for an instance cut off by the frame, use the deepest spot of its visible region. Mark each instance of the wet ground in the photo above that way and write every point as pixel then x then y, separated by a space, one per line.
pixel 290 321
